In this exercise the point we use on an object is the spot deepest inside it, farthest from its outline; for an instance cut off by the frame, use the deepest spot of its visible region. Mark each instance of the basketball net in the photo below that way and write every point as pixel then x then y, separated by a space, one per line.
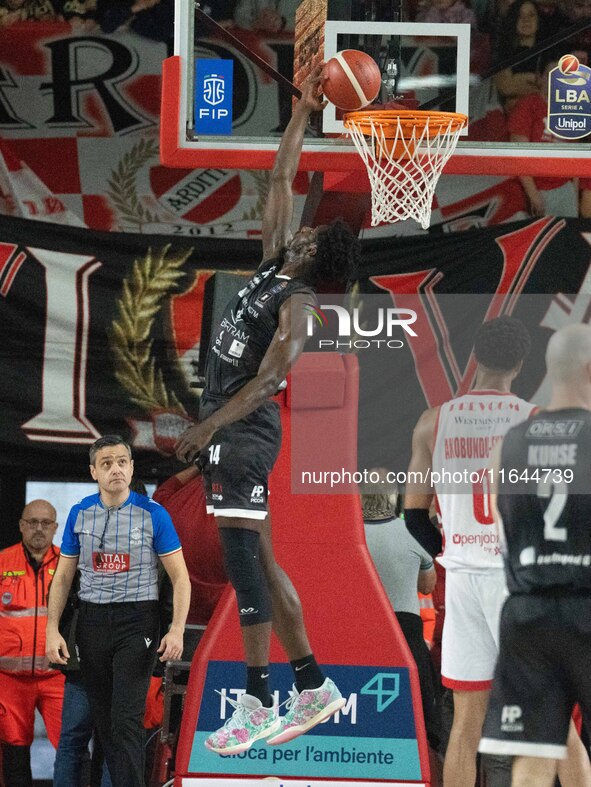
pixel 404 152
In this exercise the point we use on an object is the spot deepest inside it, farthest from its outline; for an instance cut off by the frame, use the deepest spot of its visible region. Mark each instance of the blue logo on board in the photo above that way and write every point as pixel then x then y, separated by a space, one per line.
pixel 213 96
pixel 569 103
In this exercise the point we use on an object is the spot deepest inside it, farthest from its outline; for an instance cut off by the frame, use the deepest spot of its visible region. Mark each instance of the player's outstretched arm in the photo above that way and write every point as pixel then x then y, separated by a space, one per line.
pixel 278 213
pixel 285 348
pixel 419 489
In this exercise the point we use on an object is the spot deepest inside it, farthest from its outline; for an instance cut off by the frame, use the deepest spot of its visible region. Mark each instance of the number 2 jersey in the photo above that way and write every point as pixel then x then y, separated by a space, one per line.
pixel 467 430
pixel 247 327
pixel 544 498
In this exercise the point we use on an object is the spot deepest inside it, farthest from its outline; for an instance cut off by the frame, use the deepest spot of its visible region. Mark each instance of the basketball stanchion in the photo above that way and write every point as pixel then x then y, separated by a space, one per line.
pixel 404 152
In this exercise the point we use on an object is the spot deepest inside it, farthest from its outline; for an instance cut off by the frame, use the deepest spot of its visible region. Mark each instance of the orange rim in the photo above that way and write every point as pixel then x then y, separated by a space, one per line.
pixel 408 120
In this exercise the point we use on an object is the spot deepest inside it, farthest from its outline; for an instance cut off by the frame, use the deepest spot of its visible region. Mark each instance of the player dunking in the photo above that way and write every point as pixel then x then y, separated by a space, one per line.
pixel 543 667
pixel 261 335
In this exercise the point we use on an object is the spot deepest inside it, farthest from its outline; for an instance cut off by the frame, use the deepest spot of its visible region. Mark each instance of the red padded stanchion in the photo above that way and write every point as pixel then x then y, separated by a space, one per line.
pixel 378 737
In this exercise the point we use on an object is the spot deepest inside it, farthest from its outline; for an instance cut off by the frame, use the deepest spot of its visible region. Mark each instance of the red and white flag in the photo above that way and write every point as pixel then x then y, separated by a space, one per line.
pixel 24 194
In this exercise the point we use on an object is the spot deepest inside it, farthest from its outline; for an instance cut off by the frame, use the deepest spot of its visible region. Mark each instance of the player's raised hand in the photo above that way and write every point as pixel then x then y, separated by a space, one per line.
pixel 311 89
pixel 193 440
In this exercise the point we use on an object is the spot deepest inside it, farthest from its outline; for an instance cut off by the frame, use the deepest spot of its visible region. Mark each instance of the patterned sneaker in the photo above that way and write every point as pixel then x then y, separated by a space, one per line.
pixel 250 722
pixel 306 710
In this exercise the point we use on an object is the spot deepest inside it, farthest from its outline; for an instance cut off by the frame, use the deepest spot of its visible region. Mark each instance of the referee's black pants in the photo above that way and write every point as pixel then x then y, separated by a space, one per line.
pixel 117 645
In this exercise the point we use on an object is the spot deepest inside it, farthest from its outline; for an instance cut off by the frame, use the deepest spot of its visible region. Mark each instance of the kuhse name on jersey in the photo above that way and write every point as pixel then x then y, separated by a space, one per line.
pixel 469 447
pixel 550 455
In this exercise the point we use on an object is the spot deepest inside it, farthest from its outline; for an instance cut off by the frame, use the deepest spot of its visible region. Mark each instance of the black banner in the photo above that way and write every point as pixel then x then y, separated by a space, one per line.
pixel 101 331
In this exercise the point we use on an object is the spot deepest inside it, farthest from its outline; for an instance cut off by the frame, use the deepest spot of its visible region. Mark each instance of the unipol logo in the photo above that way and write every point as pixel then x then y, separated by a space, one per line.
pixel 213 90
pixel 355 332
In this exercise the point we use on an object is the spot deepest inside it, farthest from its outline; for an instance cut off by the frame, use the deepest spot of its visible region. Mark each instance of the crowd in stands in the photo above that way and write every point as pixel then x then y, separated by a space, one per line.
pixel 503 33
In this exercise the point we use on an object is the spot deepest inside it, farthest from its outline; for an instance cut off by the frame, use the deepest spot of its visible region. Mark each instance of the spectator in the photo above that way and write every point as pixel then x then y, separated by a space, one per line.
pixel 26 679
pixel 183 496
pixel 263 16
pixel 118 598
pixel 552 18
pixel 81 14
pixel 12 11
pixel 519 33
pixel 528 123
pixel 405 568
pixel 580 45
pixel 453 11
pixel 153 19
pixel 77 726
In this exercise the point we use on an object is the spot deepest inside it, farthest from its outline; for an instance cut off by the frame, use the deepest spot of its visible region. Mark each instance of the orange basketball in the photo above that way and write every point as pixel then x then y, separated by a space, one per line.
pixel 351 79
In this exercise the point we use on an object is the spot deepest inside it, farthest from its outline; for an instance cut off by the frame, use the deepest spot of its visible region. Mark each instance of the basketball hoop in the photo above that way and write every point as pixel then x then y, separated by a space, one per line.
pixel 404 152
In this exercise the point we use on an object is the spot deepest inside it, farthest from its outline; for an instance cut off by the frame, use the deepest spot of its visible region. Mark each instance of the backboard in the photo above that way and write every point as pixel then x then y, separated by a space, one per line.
pixel 249 74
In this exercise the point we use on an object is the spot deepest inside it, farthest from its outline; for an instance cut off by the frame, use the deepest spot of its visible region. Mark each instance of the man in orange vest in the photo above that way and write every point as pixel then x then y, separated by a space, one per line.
pixel 26 681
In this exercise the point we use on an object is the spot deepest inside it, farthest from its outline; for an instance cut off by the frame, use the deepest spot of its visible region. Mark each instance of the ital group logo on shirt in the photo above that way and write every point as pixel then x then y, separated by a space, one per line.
pixel 110 562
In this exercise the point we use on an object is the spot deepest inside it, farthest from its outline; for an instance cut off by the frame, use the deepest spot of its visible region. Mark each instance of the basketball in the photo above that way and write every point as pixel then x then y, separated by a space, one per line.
pixel 568 64
pixel 351 79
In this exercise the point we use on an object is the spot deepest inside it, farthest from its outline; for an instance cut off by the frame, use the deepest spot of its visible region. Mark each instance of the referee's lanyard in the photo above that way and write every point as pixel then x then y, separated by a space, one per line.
pixel 109 562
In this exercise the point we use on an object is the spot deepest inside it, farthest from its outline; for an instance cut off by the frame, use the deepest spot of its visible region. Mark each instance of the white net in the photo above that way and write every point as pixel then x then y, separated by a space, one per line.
pixel 404 160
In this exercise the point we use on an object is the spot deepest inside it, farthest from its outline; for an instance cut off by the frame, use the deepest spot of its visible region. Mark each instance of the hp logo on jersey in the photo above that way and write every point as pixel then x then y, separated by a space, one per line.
pixel 256 496
pixel 510 716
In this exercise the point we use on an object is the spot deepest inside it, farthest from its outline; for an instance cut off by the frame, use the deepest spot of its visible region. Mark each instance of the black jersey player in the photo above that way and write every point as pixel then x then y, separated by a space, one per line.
pixel 260 336
pixel 543 482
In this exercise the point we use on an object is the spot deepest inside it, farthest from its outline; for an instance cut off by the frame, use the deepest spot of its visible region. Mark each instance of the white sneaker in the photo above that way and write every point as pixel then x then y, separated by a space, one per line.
pixel 306 710
pixel 250 722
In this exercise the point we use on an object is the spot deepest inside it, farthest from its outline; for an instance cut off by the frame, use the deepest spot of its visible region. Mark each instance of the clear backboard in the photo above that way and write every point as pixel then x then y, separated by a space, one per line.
pixel 228 89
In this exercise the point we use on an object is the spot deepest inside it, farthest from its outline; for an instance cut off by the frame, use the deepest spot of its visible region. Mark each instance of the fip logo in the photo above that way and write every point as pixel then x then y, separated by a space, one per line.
pixel 353 330
pixel 213 96
pixel 569 103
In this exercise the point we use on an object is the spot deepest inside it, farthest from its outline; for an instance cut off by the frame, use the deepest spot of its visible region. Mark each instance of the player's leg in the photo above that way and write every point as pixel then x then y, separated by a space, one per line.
pixel 314 697
pixel 533 772
pixel 459 768
pixel 469 652
pixel 255 714
pixel 575 771
pixel 288 617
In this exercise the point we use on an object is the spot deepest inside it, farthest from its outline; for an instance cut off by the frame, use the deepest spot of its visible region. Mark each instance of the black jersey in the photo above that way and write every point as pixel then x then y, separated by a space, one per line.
pixel 545 502
pixel 247 328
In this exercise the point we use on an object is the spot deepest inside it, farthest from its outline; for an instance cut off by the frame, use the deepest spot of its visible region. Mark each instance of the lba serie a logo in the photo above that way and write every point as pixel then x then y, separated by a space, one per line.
pixel 569 103
pixel 355 333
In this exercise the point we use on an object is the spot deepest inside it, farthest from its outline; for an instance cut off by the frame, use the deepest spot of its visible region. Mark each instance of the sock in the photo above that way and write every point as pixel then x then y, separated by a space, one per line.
pixel 257 684
pixel 308 674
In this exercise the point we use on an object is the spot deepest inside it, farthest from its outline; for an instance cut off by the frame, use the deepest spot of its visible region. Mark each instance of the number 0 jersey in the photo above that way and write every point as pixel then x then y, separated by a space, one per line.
pixel 544 498
pixel 467 429
pixel 249 322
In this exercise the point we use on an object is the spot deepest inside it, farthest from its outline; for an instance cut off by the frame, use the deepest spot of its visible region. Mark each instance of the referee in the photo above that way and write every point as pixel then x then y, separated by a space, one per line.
pixel 115 538
pixel 544 504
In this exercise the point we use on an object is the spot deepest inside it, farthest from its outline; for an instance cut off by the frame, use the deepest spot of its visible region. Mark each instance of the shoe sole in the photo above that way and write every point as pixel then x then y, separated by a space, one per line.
pixel 244 746
pixel 300 729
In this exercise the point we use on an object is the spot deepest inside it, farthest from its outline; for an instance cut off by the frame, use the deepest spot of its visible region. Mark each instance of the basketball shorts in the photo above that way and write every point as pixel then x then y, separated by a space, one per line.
pixel 470 640
pixel 543 670
pixel 237 463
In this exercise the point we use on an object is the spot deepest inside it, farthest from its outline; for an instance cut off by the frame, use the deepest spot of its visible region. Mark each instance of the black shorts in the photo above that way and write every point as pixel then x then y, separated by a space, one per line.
pixel 237 463
pixel 542 671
